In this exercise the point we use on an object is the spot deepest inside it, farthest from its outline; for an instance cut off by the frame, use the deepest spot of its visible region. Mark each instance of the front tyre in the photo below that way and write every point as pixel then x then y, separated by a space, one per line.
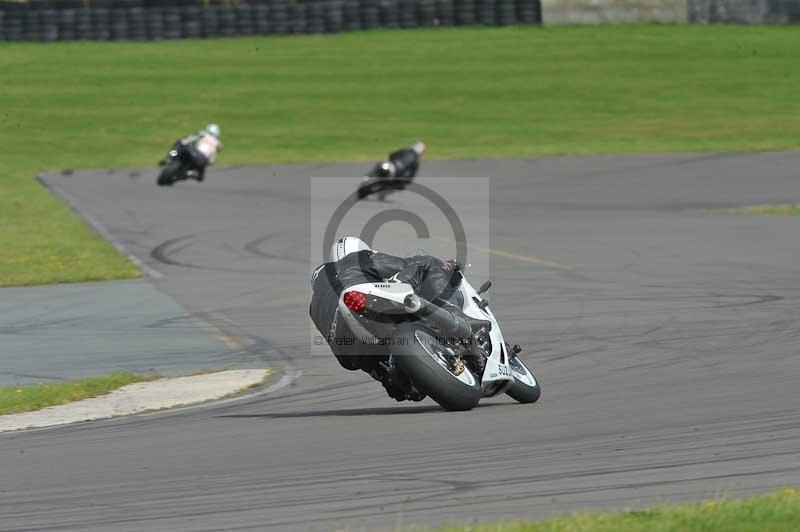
pixel 526 388
pixel 427 363
pixel 369 187
pixel 169 174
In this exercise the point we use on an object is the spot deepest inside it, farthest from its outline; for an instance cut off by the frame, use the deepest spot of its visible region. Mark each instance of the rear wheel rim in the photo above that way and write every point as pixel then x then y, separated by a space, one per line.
pixel 432 346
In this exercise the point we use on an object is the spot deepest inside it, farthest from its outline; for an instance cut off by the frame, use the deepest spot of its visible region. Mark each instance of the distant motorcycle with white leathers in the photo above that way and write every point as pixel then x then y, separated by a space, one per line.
pixel 437 350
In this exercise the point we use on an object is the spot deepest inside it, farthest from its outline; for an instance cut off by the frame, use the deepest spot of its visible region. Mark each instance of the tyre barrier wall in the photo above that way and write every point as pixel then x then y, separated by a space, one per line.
pixel 130 22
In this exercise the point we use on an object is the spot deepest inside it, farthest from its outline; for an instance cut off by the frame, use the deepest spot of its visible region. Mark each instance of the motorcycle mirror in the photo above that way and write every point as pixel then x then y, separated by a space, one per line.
pixel 484 287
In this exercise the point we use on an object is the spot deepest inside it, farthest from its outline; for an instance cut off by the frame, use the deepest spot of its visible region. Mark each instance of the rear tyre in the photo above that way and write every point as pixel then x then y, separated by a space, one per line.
pixel 423 359
pixel 168 175
pixel 526 388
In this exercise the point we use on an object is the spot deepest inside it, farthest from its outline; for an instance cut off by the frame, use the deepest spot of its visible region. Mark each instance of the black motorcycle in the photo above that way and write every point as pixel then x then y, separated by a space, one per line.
pixel 393 174
pixel 178 165
pixel 380 181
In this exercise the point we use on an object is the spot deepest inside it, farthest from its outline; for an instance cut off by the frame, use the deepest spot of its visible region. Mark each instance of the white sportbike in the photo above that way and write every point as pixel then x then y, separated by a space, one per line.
pixel 438 351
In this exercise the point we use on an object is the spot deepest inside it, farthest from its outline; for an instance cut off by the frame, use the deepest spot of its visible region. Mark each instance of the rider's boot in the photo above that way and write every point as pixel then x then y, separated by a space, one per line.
pixel 397 385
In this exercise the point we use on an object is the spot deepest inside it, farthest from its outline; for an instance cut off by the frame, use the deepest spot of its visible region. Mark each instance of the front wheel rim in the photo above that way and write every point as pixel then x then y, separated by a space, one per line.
pixel 521 373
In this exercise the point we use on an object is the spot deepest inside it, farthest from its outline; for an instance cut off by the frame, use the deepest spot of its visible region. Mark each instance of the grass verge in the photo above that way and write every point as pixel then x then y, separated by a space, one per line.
pixel 763 210
pixel 28 398
pixel 468 92
pixel 776 512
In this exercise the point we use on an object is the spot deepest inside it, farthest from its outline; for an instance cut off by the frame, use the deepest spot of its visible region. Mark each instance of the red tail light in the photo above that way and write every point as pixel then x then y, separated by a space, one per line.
pixel 355 301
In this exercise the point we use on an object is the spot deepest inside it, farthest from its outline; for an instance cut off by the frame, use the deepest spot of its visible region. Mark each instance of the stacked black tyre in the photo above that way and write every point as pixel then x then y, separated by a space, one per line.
pixel 30 25
pixel 101 23
pixel 209 21
pixel 49 25
pixel 529 11
pixel 334 16
pixel 13 25
pixel 370 15
pixel 506 12
pixel 140 20
pixel 154 24
pixel 445 13
pixel 227 21
pixel 407 14
pixel 261 25
pixel 191 22
pixel 465 12
pixel 74 25
pixel 245 23
pixel 137 27
pixel 426 14
pixel 279 18
pixel 315 18
pixel 172 23
pixel 297 18
pixel 487 12
pixel 119 25
pixel 351 15
pixel 389 15
pixel 84 30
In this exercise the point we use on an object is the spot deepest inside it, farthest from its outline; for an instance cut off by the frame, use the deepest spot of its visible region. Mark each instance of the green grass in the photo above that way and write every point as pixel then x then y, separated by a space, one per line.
pixel 485 92
pixel 776 512
pixel 28 398
pixel 764 210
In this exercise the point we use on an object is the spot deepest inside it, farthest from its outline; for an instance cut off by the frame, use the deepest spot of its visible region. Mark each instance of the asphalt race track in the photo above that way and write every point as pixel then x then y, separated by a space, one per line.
pixel 665 335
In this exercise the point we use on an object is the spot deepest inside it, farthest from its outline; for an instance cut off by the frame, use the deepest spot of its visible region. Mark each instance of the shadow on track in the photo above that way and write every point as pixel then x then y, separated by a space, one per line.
pixel 355 412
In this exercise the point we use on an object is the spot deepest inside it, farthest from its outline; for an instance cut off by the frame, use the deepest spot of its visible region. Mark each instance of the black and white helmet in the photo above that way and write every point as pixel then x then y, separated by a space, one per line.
pixel 345 246
pixel 387 169
pixel 213 129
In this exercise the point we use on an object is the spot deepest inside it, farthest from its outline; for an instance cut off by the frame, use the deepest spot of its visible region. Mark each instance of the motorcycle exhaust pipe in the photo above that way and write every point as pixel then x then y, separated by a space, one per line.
pixel 450 324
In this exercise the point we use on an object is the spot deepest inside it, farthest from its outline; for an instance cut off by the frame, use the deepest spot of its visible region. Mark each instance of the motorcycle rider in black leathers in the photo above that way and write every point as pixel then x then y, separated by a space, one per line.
pixel 352 262
pixel 401 167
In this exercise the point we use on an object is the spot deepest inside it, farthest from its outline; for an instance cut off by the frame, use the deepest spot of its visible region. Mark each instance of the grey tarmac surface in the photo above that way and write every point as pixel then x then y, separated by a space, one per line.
pixel 667 349
pixel 52 333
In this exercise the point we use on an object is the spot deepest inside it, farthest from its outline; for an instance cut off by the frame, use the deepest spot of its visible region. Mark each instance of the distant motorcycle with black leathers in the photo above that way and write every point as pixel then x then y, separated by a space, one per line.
pixel 393 174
